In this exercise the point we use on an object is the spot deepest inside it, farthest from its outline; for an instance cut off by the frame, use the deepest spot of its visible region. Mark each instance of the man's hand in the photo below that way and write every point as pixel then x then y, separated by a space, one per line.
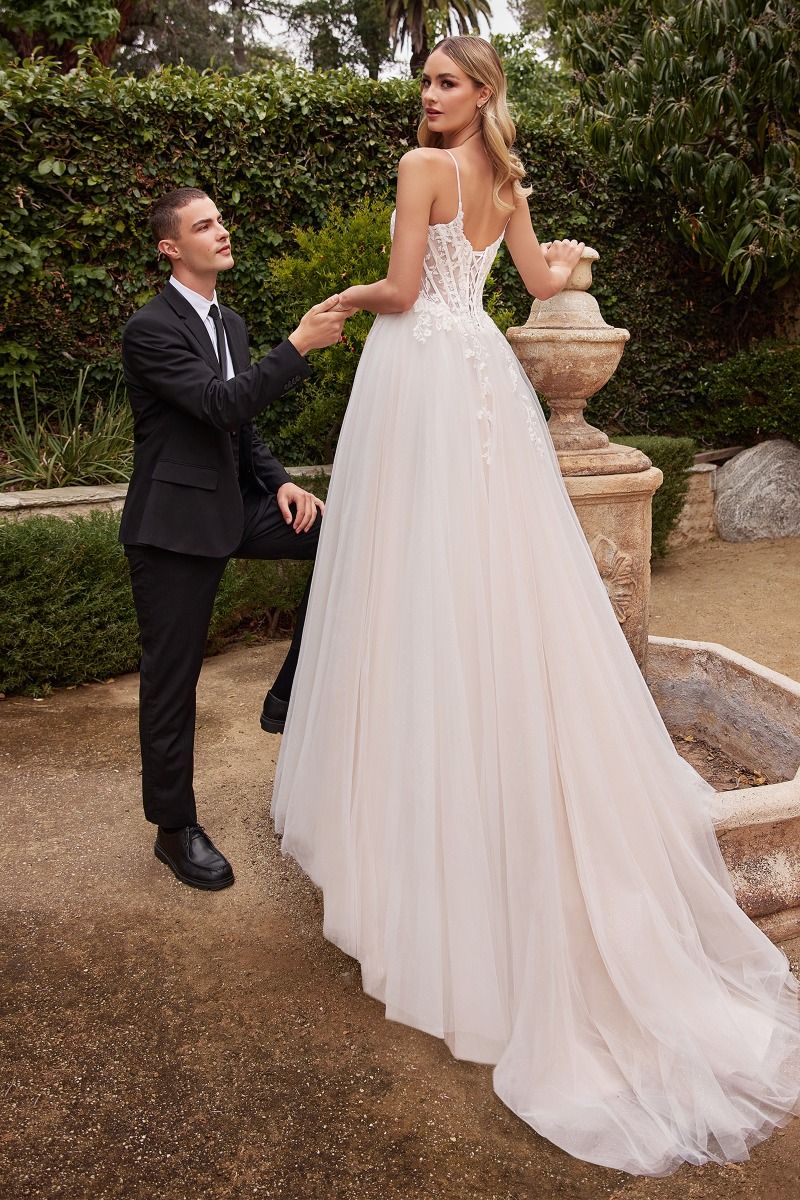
pixel 306 506
pixel 321 326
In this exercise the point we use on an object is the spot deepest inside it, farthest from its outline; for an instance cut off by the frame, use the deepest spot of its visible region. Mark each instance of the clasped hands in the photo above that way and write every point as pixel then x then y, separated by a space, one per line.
pixel 322 325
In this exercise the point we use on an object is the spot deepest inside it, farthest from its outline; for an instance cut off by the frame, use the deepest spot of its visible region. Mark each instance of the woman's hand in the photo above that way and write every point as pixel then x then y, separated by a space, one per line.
pixel 566 252
pixel 545 268
pixel 345 304
pixel 562 258
pixel 321 326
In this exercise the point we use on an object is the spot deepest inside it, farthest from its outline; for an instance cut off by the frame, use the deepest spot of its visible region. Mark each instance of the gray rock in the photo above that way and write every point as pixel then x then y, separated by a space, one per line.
pixel 758 493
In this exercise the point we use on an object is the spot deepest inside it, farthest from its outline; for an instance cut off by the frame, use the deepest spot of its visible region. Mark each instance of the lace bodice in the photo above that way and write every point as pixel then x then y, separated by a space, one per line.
pixel 453 273
pixel 451 301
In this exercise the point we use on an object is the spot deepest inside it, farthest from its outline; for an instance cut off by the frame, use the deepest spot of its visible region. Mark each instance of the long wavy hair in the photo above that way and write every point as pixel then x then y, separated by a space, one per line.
pixel 479 60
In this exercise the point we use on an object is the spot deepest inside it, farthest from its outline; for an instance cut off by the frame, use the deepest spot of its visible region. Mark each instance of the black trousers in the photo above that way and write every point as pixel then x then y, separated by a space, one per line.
pixel 174 595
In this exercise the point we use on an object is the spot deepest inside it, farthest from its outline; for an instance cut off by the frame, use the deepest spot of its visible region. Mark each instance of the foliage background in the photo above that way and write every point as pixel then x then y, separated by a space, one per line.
pixel 697 103
pixel 82 156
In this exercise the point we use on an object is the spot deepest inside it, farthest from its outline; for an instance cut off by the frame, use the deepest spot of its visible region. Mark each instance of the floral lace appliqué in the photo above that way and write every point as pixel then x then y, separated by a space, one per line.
pixel 451 299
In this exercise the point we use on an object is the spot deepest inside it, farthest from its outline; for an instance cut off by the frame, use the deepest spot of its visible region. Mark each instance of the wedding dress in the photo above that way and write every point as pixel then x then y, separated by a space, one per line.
pixel 475 774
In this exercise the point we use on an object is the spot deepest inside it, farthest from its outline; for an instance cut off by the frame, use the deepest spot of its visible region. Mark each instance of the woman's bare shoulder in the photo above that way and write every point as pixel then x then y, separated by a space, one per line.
pixel 424 158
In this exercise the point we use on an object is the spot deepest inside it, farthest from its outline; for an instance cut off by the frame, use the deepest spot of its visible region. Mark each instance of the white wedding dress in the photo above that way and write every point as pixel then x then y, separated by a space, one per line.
pixel 475 774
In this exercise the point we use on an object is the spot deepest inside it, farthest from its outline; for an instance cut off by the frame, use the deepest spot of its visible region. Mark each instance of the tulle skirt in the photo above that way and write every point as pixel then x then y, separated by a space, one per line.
pixel 475 774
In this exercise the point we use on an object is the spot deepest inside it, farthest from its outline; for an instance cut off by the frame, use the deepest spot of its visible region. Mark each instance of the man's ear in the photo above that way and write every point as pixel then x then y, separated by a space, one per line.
pixel 168 249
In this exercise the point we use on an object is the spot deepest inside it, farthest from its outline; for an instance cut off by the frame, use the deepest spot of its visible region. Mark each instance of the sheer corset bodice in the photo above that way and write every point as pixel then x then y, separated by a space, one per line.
pixel 450 303
pixel 453 272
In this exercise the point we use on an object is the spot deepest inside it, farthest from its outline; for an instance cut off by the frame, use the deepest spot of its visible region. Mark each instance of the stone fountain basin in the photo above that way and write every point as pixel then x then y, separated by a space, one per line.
pixel 751 714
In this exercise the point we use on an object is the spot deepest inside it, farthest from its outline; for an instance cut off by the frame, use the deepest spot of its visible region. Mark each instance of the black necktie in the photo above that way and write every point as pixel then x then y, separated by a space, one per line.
pixel 219 329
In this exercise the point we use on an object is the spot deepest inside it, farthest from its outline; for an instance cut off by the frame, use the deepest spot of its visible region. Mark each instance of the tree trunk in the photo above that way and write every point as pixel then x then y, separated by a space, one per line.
pixel 419 52
pixel 237 17
pixel 104 50
pixel 24 44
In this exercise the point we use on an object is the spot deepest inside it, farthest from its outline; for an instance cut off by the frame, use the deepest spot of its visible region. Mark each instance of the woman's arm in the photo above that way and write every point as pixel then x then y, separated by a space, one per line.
pixel 543 274
pixel 416 191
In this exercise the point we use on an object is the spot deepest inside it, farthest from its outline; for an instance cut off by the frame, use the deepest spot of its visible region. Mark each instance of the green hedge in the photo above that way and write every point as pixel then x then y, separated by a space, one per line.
pixel 672 456
pixel 755 394
pixel 82 155
pixel 66 612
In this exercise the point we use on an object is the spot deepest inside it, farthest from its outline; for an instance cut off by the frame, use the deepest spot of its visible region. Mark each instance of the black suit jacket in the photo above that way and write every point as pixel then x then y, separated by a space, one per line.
pixel 185 493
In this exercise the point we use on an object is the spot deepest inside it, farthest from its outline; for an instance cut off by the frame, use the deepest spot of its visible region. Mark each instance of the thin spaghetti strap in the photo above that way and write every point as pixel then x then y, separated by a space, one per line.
pixel 458 176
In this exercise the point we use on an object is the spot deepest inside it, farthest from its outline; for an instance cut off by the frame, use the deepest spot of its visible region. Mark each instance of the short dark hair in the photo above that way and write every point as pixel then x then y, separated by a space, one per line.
pixel 164 221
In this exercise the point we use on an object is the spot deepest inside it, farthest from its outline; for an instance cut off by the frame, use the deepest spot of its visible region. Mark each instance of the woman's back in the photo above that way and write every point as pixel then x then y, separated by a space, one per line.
pixel 469 187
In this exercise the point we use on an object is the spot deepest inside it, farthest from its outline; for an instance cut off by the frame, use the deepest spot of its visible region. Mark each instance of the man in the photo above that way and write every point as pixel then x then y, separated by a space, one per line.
pixel 204 488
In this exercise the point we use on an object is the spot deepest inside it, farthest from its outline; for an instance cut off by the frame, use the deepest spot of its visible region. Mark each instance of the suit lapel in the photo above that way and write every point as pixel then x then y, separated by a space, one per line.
pixel 183 309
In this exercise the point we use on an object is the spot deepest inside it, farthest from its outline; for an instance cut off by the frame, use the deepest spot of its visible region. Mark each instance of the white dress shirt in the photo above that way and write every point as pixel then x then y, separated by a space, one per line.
pixel 202 307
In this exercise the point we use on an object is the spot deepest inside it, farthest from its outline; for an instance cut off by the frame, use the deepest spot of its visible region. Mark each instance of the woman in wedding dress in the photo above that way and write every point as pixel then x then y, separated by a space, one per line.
pixel 473 770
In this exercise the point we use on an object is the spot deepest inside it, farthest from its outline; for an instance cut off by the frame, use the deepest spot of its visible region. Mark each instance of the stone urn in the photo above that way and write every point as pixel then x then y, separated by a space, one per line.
pixel 569 352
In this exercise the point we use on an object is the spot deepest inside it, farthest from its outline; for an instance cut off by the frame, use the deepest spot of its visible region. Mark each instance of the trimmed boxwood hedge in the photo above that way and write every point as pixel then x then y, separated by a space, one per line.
pixel 82 156
pixel 66 611
pixel 672 456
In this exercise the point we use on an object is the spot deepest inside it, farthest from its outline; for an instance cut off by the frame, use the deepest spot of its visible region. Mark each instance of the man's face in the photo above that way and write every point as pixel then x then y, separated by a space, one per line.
pixel 203 244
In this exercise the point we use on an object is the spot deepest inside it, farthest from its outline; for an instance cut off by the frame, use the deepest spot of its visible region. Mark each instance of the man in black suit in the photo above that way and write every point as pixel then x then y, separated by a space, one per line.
pixel 204 488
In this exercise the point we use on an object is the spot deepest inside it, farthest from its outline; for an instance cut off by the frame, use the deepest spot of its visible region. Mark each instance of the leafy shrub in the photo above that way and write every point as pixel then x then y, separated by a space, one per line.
pixel 537 87
pixel 755 393
pixel 75 443
pixel 83 155
pixel 673 456
pixel 344 252
pixel 66 611
pixel 698 104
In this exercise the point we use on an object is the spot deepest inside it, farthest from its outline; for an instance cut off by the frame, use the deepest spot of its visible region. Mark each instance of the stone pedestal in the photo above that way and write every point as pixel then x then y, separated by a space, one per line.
pixel 569 352
pixel 615 512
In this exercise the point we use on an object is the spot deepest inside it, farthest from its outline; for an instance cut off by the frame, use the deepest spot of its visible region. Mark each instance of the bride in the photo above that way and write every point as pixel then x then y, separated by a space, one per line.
pixel 473 769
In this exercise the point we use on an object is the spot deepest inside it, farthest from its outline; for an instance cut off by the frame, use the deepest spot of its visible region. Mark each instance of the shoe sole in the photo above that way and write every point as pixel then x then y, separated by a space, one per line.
pixel 270 725
pixel 206 886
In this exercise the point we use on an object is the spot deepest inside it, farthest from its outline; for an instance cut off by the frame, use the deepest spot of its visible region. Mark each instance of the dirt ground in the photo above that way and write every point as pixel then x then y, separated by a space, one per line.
pixel 159 1042
pixel 743 594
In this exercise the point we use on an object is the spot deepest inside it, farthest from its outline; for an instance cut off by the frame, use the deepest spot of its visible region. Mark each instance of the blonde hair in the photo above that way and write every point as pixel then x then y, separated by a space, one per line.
pixel 479 60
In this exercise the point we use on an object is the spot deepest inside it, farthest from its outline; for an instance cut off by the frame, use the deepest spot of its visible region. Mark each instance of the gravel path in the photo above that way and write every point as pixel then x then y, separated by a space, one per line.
pixel 743 594
pixel 160 1042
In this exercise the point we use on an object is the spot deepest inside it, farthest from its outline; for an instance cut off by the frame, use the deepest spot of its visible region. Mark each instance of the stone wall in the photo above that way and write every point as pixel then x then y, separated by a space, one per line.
pixel 62 502
pixel 696 522
pixel 80 501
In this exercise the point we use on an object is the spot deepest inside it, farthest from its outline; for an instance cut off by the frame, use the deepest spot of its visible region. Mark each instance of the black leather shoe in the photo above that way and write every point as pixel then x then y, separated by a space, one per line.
pixel 192 856
pixel 273 714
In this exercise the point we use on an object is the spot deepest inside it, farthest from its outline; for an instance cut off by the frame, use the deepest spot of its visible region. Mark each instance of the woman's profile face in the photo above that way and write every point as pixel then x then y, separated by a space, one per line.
pixel 449 96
